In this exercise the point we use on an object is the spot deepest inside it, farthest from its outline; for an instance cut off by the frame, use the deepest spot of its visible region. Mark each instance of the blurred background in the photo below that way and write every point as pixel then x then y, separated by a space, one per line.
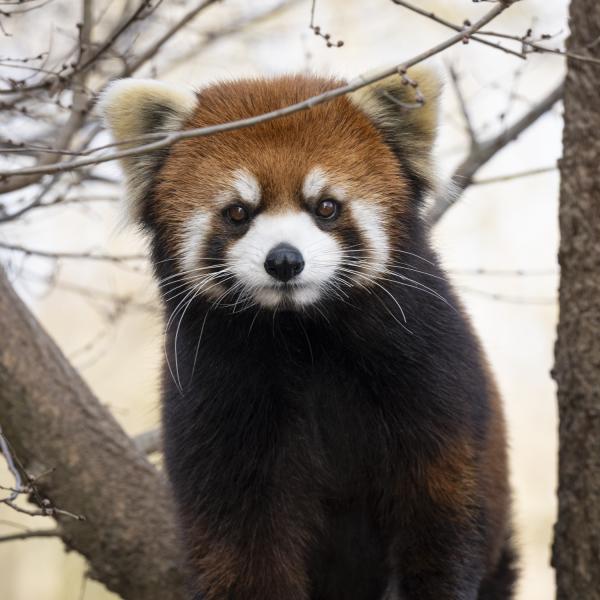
pixel 499 242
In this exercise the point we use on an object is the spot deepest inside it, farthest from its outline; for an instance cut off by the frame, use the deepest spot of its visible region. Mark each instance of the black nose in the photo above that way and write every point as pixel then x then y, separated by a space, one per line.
pixel 284 262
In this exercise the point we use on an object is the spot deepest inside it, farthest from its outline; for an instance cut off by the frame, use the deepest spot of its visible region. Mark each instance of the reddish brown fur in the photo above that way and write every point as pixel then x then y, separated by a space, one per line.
pixel 460 476
pixel 452 479
pixel 272 559
pixel 494 469
pixel 336 136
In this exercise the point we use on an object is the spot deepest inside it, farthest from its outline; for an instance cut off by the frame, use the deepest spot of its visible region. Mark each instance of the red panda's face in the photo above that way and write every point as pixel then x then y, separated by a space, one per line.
pixel 290 244
pixel 288 213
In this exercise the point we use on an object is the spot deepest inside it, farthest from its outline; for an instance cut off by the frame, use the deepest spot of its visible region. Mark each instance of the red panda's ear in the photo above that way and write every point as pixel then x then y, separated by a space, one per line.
pixel 134 107
pixel 405 110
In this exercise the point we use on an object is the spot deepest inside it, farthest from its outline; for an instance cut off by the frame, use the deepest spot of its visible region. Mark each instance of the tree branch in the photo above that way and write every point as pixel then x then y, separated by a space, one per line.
pixel 517 175
pixel 537 47
pixel 150 52
pixel 149 441
pixel 12 467
pixel 52 420
pixel 485 151
pixel 34 533
pixel 78 109
pixel 166 140
pixel 114 258
pixel 433 17
pixel 454 77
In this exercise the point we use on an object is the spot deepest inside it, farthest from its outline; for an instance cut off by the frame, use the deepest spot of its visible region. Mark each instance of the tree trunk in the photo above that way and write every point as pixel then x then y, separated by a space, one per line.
pixel 53 422
pixel 576 556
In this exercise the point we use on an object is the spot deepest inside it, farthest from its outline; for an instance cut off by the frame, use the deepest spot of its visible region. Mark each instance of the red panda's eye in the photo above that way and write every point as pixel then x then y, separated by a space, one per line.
pixel 237 214
pixel 327 209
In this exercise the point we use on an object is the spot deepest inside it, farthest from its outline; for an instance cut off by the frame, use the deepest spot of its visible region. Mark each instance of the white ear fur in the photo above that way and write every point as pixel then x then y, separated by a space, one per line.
pixel 392 104
pixel 134 107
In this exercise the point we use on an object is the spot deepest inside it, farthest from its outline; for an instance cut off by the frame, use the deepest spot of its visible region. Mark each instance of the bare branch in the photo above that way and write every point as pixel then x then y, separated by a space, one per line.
pixel 169 139
pixel 432 16
pixel 463 107
pixel 72 255
pixel 510 299
pixel 53 420
pixel 12 468
pixel 485 151
pixel 513 176
pixel 150 52
pixel 118 301
pixel 145 6
pixel 45 507
pixel 317 30
pixel 241 24
pixel 536 46
pixel 79 108
pixel 506 272
pixel 33 533
pixel 33 204
pixel 149 441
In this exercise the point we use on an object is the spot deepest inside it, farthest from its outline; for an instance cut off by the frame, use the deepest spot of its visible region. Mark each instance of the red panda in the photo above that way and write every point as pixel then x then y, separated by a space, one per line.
pixel 331 428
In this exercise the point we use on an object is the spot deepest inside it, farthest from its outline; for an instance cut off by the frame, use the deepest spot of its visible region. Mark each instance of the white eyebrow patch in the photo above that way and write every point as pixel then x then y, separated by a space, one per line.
pixel 370 220
pixel 247 186
pixel 194 235
pixel 314 183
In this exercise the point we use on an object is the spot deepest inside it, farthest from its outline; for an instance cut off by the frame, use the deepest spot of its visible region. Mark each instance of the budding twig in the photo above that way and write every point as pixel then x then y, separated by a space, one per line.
pixel 166 140
pixel 317 30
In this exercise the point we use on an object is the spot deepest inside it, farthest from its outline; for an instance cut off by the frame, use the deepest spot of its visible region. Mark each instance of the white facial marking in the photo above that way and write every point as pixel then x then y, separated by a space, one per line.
pixel 247 187
pixel 314 183
pixel 320 251
pixel 369 219
pixel 194 234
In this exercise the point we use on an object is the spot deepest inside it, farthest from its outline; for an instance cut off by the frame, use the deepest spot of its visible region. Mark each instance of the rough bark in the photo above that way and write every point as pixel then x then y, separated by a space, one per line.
pixel 577 367
pixel 53 421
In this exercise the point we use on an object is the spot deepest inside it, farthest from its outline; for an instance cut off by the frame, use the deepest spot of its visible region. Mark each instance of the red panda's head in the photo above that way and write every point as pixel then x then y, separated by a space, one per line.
pixel 286 213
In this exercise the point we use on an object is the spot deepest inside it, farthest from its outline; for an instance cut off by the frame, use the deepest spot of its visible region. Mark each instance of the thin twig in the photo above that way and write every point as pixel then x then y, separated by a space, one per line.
pixel 71 255
pixel 149 441
pixel 432 16
pixel 79 111
pixel 463 107
pixel 45 506
pixel 37 201
pixel 165 140
pixel 118 301
pixel 241 24
pixel 537 47
pixel 31 533
pixel 151 51
pixel 317 29
pixel 510 299
pixel 46 510
pixel 485 151
pixel 137 15
pixel 505 272
pixel 513 176
pixel 12 467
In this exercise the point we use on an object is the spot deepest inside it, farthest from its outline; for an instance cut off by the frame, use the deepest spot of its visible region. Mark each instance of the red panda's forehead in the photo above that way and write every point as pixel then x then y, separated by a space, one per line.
pixel 335 137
